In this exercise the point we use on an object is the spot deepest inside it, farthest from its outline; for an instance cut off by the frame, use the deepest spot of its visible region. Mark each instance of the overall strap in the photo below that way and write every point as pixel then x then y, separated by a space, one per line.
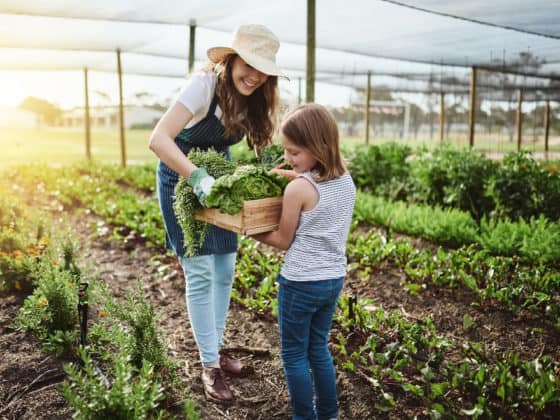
pixel 213 105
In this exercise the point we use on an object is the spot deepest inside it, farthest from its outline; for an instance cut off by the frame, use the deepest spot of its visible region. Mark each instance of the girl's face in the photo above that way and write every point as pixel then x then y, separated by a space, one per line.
pixel 246 79
pixel 299 158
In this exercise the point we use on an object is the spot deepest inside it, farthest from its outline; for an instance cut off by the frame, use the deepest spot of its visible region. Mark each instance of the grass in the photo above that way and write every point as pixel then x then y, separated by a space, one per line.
pixel 61 146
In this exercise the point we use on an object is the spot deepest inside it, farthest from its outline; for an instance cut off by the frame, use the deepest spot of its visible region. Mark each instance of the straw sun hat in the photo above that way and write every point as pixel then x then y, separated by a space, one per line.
pixel 255 44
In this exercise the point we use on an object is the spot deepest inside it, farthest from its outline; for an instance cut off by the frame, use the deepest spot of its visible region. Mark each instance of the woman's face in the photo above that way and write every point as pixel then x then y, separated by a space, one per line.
pixel 246 79
pixel 299 158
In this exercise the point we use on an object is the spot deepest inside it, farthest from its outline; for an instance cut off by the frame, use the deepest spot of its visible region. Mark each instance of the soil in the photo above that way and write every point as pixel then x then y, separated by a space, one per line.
pixel 30 379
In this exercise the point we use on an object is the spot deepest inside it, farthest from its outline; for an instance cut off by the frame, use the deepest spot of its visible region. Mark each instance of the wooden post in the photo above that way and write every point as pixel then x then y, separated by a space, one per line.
pixel 472 111
pixel 519 118
pixel 441 116
pixel 546 127
pixel 121 109
pixel 368 99
pixel 86 115
pixel 310 80
pixel 192 38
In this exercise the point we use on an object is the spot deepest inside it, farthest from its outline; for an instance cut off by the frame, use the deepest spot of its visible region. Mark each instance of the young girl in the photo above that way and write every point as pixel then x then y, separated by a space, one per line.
pixel 236 95
pixel 316 214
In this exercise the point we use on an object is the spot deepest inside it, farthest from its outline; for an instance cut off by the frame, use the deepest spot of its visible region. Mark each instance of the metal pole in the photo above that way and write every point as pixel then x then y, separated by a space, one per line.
pixel 121 109
pixel 519 118
pixel 192 38
pixel 441 116
pixel 472 111
pixel 546 127
pixel 406 120
pixel 368 99
pixel 86 115
pixel 310 82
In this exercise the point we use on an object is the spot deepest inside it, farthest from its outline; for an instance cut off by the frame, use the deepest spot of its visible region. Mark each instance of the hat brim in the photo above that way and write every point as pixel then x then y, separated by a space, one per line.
pixel 217 54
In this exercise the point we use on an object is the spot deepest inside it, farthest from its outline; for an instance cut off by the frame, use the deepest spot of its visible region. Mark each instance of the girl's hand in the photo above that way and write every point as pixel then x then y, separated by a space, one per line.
pixel 288 173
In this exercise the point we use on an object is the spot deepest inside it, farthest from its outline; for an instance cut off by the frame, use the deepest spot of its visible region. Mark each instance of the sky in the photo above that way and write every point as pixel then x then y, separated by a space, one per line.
pixel 66 88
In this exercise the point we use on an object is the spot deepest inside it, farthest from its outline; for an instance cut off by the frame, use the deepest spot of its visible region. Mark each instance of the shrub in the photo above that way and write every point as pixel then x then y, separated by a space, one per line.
pixel 128 393
pixel 457 178
pixel 514 187
pixel 143 340
pixel 52 306
pixel 382 169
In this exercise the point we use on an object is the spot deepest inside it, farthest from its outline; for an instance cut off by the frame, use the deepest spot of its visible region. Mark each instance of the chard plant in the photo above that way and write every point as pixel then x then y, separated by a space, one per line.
pixel 394 354
pixel 256 272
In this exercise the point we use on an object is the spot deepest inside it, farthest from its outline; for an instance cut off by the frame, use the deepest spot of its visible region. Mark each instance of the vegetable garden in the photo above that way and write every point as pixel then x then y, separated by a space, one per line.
pixel 451 307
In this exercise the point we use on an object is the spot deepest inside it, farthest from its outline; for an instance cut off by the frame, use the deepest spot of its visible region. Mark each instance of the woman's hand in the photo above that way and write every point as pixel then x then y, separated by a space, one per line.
pixel 202 184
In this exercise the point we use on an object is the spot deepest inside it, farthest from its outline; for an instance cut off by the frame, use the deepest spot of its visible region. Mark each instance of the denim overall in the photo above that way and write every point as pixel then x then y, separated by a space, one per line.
pixel 207 133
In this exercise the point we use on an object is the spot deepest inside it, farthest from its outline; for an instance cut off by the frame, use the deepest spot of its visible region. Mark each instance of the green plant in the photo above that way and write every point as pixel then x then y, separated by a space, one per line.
pixel 246 183
pixel 143 341
pixel 127 393
pixel 383 169
pixel 61 343
pixel 17 272
pixel 52 306
pixel 232 187
pixel 456 178
pixel 186 204
pixel 190 411
pixel 522 188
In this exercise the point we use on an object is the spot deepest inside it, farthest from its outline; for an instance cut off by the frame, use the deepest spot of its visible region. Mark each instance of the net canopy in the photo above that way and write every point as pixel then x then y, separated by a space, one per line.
pixel 413 46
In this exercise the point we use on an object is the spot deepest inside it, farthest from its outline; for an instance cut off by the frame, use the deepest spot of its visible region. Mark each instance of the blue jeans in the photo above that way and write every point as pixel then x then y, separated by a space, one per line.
pixel 208 280
pixel 305 312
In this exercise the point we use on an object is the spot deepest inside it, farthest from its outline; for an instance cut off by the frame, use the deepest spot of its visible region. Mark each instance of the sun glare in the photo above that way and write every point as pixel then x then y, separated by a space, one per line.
pixel 12 88
pixel 61 88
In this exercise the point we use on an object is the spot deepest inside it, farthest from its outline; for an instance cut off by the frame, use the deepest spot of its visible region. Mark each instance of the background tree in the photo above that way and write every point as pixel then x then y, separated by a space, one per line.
pixel 45 111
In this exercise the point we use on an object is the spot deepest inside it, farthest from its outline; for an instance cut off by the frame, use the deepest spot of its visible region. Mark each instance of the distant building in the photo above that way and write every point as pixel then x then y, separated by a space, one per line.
pixel 17 118
pixel 108 117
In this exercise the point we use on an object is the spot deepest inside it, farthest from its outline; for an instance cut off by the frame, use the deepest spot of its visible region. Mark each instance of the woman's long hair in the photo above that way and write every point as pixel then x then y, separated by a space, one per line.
pixel 253 116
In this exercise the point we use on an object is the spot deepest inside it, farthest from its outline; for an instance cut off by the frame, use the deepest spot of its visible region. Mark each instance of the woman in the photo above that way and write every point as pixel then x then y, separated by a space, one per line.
pixel 235 96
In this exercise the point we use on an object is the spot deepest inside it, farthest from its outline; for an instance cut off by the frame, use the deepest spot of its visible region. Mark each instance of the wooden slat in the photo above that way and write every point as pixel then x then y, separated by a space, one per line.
pixel 256 216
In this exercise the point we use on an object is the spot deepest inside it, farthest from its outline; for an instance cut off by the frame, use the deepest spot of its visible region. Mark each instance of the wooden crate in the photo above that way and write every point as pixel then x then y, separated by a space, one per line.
pixel 256 216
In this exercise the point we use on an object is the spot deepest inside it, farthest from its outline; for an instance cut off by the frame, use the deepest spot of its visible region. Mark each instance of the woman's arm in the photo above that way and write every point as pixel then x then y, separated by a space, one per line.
pixel 299 195
pixel 162 139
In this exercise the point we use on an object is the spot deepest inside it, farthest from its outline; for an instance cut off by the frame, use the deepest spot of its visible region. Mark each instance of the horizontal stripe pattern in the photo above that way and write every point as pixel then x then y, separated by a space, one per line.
pixel 318 251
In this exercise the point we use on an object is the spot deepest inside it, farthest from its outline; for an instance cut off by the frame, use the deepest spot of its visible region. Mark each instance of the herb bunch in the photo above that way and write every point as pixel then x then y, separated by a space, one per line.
pixel 186 204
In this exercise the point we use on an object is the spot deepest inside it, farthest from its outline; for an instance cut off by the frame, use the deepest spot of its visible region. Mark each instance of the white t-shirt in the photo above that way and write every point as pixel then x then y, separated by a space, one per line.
pixel 197 95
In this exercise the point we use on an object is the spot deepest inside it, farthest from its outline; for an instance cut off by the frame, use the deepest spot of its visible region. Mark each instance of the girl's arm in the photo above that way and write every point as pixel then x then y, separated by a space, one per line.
pixel 299 195
pixel 162 139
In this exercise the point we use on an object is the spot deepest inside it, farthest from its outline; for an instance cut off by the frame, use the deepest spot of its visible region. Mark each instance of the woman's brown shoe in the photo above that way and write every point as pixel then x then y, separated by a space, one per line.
pixel 215 385
pixel 234 367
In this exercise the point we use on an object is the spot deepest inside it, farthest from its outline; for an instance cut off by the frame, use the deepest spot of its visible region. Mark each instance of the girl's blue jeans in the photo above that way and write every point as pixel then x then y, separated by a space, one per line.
pixel 208 280
pixel 305 312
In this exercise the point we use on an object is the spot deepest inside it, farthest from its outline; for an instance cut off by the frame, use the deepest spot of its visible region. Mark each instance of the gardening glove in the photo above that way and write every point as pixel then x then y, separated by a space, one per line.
pixel 201 183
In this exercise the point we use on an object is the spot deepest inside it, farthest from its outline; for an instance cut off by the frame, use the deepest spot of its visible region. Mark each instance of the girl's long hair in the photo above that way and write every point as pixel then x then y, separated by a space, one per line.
pixel 312 127
pixel 253 116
